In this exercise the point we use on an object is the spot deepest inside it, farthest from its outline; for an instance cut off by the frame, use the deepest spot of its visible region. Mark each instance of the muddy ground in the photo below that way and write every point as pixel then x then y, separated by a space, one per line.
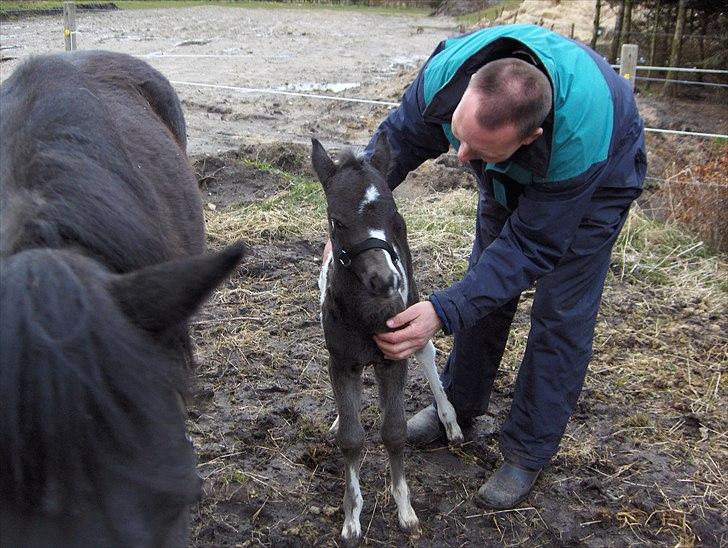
pixel 644 456
pixel 641 462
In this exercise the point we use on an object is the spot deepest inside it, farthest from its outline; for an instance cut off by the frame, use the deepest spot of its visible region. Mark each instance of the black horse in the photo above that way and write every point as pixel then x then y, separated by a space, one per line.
pixel 100 259
pixel 366 280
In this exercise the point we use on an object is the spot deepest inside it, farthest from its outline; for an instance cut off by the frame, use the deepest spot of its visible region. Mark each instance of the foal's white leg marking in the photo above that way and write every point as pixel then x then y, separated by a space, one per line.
pixel 334 428
pixel 404 290
pixel 323 278
pixel 380 235
pixel 322 283
pixel 370 196
pixel 352 527
pixel 426 358
pixel 407 517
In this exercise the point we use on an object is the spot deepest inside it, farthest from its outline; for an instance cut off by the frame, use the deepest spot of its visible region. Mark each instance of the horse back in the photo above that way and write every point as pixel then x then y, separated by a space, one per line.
pixel 133 78
pixel 93 148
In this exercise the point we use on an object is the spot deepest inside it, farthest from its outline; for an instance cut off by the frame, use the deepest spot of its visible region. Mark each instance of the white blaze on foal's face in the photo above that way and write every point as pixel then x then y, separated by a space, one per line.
pixel 370 196
pixel 398 269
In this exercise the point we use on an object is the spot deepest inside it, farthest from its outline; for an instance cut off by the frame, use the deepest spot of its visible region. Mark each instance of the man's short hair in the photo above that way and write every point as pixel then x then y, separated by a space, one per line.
pixel 513 92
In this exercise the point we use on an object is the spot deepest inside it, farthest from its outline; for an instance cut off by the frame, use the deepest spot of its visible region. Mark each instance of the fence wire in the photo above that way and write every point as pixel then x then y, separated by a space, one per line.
pixel 387 103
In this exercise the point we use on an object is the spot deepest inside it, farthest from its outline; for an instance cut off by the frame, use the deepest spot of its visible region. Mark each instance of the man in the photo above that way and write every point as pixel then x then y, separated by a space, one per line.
pixel 557 146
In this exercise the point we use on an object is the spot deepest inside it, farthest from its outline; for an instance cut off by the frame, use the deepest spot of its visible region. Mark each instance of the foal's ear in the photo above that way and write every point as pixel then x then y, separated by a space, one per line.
pixel 322 164
pixel 166 294
pixel 382 154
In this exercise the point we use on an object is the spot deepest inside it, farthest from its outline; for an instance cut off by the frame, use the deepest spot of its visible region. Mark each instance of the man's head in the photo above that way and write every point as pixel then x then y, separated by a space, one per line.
pixel 502 109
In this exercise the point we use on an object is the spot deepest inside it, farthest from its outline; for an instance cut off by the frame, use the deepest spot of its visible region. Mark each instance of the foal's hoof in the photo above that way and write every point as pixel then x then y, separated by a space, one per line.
pixel 351 541
pixel 411 528
pixel 351 533
pixel 452 428
pixel 408 521
pixel 454 434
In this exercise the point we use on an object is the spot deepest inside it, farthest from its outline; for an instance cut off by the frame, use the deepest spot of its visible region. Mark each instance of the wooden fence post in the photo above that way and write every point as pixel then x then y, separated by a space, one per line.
pixel 628 63
pixel 69 25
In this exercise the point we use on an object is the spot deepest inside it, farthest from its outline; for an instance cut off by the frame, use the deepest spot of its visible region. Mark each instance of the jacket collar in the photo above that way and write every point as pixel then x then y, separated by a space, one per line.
pixel 536 156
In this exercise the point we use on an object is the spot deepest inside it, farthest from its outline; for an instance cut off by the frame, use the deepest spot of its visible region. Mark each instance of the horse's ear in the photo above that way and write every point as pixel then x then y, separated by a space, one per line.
pixel 382 154
pixel 322 164
pixel 164 295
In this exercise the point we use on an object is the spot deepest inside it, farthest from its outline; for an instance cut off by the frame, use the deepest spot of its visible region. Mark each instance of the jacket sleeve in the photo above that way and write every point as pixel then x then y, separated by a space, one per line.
pixel 411 138
pixel 533 240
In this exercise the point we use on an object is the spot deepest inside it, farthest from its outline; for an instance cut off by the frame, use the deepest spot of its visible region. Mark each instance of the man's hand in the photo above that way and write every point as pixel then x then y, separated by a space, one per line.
pixel 413 328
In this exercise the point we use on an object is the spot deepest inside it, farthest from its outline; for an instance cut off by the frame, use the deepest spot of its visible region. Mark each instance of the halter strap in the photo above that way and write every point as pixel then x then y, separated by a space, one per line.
pixel 345 257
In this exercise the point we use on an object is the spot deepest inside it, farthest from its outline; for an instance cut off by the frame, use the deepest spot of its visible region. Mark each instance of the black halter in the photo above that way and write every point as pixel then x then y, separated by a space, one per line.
pixel 345 257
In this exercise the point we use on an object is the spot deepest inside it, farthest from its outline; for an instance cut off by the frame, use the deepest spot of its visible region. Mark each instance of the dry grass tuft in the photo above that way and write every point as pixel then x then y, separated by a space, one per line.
pixel 696 194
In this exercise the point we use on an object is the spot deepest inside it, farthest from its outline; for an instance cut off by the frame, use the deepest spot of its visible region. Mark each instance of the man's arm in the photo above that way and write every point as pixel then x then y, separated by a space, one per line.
pixel 532 242
pixel 412 139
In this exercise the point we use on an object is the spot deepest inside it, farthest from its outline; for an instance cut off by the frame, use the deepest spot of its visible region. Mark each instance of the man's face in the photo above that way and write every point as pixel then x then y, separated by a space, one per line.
pixel 478 143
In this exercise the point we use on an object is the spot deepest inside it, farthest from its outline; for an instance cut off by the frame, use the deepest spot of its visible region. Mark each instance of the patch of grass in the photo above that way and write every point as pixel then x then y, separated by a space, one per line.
pixel 164 4
pixel 248 4
pixel 649 251
pixel 309 428
pixel 299 210
pixel 43 4
pixel 237 476
pixel 441 229
pixel 640 420
pixel 488 14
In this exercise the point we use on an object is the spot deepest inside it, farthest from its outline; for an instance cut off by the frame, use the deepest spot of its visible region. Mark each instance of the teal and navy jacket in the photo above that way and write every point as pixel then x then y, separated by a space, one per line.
pixel 593 137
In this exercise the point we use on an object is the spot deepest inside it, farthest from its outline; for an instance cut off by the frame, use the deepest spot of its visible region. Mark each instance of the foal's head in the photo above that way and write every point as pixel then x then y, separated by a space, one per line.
pixel 367 232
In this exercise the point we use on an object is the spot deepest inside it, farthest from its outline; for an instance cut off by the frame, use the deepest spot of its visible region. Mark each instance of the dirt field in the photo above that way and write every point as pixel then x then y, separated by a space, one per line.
pixel 284 50
pixel 644 457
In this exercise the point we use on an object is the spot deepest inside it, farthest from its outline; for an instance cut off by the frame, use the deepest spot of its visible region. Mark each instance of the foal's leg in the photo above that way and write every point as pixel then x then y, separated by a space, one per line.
pixel 426 358
pixel 391 379
pixel 346 382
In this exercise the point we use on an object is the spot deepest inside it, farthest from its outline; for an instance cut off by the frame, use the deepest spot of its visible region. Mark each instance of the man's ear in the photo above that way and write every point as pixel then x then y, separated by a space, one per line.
pixel 535 134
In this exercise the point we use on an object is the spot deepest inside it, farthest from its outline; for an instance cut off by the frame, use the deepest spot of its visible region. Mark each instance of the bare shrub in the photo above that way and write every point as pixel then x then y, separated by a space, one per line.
pixel 697 196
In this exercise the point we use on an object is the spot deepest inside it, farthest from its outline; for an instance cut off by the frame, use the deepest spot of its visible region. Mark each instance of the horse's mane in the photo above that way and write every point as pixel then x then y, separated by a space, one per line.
pixel 349 159
pixel 69 177
pixel 83 397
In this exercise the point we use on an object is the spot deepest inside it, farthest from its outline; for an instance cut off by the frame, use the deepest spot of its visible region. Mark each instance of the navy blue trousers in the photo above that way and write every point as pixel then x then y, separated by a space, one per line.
pixel 559 345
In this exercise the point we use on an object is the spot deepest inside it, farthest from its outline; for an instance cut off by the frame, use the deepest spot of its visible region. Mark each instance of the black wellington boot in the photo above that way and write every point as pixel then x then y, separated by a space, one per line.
pixel 508 486
pixel 425 427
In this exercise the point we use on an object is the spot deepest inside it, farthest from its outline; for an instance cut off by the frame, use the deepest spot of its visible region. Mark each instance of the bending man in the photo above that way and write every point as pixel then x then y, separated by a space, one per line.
pixel 557 146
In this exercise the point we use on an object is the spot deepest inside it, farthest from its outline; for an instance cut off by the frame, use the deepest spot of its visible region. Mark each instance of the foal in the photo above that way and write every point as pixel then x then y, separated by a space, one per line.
pixel 366 280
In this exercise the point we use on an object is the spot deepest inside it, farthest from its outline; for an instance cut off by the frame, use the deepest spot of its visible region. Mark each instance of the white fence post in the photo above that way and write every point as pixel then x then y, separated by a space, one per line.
pixel 628 63
pixel 69 25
